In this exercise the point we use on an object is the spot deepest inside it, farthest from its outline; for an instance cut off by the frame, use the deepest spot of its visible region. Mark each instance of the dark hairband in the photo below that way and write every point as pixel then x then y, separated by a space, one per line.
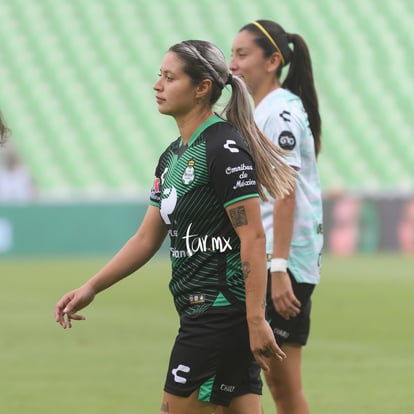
pixel 229 80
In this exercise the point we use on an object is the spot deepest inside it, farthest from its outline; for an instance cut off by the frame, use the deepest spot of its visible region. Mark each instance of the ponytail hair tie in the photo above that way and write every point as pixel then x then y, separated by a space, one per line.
pixel 229 80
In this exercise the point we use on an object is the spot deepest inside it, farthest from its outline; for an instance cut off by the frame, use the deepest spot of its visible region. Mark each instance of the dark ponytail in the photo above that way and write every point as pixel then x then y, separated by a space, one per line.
pixel 299 80
pixel 271 38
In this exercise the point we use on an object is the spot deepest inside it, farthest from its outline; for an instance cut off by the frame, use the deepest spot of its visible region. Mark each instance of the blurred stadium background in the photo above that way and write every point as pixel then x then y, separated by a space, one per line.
pixel 76 88
pixel 76 81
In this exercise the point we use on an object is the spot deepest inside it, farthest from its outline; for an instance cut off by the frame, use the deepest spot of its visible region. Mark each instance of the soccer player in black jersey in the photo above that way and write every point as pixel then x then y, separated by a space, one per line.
pixel 205 197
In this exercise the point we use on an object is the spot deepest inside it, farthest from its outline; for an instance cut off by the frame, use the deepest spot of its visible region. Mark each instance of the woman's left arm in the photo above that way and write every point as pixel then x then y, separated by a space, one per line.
pixel 246 220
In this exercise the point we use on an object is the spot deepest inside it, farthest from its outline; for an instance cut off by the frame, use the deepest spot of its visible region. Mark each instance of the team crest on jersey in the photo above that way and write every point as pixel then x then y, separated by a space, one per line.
pixel 188 176
pixel 287 140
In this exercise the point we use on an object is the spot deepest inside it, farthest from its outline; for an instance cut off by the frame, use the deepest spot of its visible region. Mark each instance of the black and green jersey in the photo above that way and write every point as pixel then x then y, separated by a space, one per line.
pixel 193 185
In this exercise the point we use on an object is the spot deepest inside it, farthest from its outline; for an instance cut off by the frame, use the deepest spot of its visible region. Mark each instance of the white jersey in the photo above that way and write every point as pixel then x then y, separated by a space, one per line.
pixel 282 118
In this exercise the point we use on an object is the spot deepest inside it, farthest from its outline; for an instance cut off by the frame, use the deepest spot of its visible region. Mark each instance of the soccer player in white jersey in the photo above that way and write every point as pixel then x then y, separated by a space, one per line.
pixel 287 113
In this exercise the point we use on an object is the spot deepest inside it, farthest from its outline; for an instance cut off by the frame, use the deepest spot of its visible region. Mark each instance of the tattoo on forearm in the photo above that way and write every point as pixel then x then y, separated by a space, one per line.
pixel 245 270
pixel 165 408
pixel 264 303
pixel 238 216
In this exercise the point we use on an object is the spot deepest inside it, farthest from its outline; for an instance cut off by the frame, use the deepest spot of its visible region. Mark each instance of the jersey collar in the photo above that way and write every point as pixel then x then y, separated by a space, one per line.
pixel 207 123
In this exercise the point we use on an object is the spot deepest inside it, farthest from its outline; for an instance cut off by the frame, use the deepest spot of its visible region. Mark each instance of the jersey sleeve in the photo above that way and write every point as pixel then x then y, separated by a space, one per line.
pixel 231 167
pixel 155 196
pixel 285 129
pixel 160 170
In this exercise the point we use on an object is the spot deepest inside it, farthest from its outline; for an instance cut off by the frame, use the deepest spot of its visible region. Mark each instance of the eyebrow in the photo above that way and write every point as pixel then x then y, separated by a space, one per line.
pixel 166 71
pixel 240 49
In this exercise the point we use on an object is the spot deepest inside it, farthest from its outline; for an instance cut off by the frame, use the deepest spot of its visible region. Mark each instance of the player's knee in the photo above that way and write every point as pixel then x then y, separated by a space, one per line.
pixel 276 385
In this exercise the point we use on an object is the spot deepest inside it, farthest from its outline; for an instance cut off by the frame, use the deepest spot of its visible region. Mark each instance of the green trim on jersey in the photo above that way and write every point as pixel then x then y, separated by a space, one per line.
pixel 236 200
pixel 210 121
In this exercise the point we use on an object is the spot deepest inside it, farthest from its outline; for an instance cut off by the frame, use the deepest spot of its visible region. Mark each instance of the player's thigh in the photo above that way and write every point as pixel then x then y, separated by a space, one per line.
pixel 173 404
pixel 286 373
pixel 245 404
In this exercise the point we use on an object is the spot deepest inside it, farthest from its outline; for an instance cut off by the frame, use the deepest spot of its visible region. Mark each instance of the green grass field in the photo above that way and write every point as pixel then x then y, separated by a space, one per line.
pixel 359 358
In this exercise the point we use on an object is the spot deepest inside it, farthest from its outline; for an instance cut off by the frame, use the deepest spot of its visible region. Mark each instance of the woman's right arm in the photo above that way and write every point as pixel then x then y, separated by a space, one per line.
pixel 132 256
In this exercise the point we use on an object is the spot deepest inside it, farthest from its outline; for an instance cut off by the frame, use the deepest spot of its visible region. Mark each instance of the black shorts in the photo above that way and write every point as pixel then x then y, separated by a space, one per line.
pixel 295 330
pixel 212 354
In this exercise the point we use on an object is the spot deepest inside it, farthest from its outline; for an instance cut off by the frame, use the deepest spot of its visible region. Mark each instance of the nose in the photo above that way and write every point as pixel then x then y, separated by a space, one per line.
pixel 157 85
pixel 232 64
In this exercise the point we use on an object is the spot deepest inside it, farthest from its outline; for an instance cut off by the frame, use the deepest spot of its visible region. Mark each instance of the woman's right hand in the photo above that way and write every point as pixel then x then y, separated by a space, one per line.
pixel 72 302
pixel 283 297
pixel 263 344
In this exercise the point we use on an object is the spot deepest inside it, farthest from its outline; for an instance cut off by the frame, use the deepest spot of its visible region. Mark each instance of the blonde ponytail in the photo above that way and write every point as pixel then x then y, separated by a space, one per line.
pixel 272 172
